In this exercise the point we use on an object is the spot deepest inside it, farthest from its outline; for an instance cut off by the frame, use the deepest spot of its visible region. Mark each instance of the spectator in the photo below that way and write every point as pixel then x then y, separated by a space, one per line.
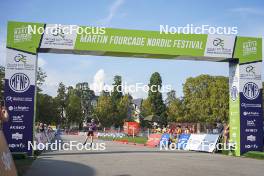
pixel 226 133
pixel 3 115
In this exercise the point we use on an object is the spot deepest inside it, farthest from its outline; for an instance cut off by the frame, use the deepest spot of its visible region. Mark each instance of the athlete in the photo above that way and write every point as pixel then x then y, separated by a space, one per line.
pixel 91 129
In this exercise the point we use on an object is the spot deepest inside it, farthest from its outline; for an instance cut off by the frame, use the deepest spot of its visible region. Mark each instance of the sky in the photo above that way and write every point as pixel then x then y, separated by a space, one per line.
pixel 247 16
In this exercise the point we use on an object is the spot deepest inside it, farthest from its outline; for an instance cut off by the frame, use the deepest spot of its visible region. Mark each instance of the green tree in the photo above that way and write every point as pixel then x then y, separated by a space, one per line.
pixel 41 76
pixel 105 111
pixel 73 110
pixel 86 95
pixel 206 98
pixel 123 108
pixel 175 111
pixel 171 96
pixel 155 98
pixel 116 94
pixel 61 100
pixel 47 109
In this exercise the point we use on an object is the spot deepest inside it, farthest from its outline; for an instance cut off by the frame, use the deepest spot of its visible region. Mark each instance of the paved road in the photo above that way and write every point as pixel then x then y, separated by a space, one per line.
pixel 127 160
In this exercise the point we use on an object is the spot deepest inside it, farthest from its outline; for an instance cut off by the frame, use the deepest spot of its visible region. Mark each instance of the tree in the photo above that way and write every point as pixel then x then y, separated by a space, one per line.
pixel 86 95
pixel 175 111
pixel 123 108
pixel 206 98
pixel 61 100
pixel 171 96
pixel 73 110
pixel 41 76
pixel 47 109
pixel 104 111
pixel 155 98
pixel 117 88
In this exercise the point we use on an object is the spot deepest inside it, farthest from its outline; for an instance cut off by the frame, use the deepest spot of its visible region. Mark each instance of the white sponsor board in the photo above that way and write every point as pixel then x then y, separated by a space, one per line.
pixel 250 80
pixel 59 36
pixel 20 70
pixel 219 46
pixel 202 142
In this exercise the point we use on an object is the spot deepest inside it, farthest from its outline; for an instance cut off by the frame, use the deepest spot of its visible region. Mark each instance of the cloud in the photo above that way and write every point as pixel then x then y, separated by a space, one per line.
pixel 98 81
pixel 247 11
pixel 112 12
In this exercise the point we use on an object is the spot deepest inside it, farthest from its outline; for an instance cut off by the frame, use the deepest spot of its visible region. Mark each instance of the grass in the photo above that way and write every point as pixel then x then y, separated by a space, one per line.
pixel 255 155
pixel 138 140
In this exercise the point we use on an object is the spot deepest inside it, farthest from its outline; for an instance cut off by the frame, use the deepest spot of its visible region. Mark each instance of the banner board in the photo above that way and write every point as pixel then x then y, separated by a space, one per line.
pixel 182 141
pixel 153 140
pixel 202 142
pixel 19 97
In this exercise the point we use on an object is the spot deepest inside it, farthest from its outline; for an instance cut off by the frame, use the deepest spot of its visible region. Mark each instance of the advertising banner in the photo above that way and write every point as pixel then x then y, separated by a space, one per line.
pixel 182 141
pixel 7 166
pixel 117 42
pixel 19 97
pixel 234 110
pixel 202 142
pixel 165 139
pixel 251 119
pixel 153 140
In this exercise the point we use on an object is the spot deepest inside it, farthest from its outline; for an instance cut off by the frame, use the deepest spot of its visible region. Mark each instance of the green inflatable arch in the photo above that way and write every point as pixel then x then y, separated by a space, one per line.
pixel 26 40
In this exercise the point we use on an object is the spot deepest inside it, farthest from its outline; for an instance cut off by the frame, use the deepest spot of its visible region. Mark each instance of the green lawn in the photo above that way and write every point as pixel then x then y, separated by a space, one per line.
pixel 138 140
pixel 256 155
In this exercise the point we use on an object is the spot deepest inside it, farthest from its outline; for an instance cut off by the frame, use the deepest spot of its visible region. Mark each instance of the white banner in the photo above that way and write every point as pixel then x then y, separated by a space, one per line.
pixel 219 46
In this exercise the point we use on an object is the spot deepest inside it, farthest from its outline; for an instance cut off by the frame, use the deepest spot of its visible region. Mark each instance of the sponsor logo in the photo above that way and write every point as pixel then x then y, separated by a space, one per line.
pixel 251 138
pixel 234 93
pixel 21 35
pixel 7 160
pixel 17 127
pixel 251 130
pixel 20 58
pixel 249 48
pixel 251 123
pixel 17 118
pixel 17 136
pixel 58 32
pixel 11 99
pixel 18 108
pixel 219 46
pixel 21 145
pixel 218 42
pixel 250 69
pixel 19 82
pixel 251 90
pixel 247 113
pixel 250 72
pixel 250 105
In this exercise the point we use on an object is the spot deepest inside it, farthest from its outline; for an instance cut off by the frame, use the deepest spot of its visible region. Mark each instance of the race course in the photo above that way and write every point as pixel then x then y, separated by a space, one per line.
pixel 128 160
